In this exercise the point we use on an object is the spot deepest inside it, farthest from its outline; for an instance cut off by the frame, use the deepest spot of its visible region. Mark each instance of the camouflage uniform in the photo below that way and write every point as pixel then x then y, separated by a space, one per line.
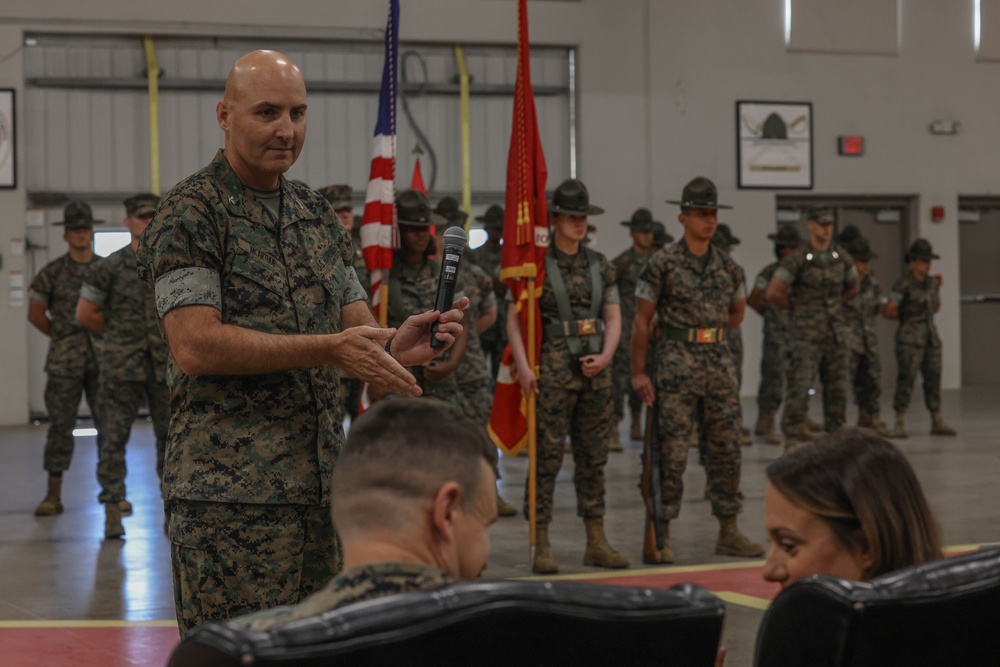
pixel 628 267
pixel 568 402
pixel 865 367
pixel 417 285
pixel 820 334
pixel 71 363
pixel 472 375
pixel 494 339
pixel 690 376
pixel 777 348
pixel 133 361
pixel 353 387
pixel 359 583
pixel 249 457
pixel 918 347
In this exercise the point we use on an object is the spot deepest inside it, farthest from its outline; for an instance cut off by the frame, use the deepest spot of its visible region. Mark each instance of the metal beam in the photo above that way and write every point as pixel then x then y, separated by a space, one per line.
pixel 140 83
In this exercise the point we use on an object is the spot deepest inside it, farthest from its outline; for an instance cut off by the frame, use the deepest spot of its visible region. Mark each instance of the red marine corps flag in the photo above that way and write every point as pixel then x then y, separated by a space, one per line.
pixel 522 258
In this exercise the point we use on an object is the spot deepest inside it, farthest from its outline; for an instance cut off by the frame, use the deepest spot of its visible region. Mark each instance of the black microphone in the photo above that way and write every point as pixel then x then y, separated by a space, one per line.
pixel 454 243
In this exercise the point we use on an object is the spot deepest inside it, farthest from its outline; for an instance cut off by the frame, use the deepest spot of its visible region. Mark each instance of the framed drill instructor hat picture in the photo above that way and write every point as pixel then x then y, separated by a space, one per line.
pixel 493 218
pixel 700 192
pixel 572 197
pixel 77 214
pixel 921 249
pixel 641 221
pixel 787 235
pixel 413 209
pixel 141 204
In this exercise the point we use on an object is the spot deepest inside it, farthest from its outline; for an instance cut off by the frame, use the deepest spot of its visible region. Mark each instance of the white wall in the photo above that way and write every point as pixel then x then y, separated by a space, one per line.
pixel 646 125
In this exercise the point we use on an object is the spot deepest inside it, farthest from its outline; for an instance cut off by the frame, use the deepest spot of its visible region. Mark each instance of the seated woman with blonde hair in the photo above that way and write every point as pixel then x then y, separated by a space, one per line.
pixel 847 505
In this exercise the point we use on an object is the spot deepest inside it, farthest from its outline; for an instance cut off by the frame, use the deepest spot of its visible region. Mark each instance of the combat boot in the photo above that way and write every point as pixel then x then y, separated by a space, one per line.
pixel 614 442
pixel 765 427
pixel 660 556
pixel 879 427
pixel 504 508
pixel 814 426
pixel 938 427
pixel 744 437
pixel 865 419
pixel 113 528
pixel 126 508
pixel 734 543
pixel 599 553
pixel 544 562
pixel 635 432
pixel 900 430
pixel 52 502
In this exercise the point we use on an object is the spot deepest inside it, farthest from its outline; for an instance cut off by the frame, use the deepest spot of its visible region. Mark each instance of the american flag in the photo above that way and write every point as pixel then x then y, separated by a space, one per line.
pixel 379 233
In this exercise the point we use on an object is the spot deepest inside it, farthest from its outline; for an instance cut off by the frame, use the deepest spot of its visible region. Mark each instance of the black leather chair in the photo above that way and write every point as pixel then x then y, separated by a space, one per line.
pixel 945 613
pixel 503 623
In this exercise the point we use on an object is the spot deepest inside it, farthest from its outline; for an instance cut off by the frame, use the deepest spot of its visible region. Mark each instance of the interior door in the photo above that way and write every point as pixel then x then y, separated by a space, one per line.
pixel 979 239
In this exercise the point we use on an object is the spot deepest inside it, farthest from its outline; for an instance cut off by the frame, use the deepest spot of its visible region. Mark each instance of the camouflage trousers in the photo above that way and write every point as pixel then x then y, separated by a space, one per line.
pixel 866 380
pixel 734 338
pixel 830 360
pixel 493 348
pixel 352 401
pixel 773 367
pixel 119 402
pixel 62 398
pixel 476 400
pixel 716 420
pixel 910 360
pixel 621 378
pixel 446 390
pixel 571 404
pixel 230 559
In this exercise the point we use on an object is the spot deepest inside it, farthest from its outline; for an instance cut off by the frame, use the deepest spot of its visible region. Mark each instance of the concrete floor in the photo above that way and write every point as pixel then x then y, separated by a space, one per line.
pixel 60 569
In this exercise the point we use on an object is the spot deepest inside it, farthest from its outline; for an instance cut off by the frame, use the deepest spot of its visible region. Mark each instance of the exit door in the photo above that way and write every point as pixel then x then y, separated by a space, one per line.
pixel 979 239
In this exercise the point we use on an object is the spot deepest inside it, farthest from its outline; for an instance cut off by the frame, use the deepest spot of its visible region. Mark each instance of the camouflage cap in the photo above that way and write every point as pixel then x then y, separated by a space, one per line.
pixel 861 250
pixel 641 221
pixel 848 234
pixel 787 235
pixel 493 218
pixel 448 208
pixel 699 193
pixel 573 198
pixel 77 214
pixel 141 204
pixel 823 215
pixel 921 249
pixel 723 236
pixel 339 196
pixel 413 209
pixel 660 235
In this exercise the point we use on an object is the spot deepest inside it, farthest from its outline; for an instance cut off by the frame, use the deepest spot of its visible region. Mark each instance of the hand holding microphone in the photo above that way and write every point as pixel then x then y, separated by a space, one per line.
pixel 454 240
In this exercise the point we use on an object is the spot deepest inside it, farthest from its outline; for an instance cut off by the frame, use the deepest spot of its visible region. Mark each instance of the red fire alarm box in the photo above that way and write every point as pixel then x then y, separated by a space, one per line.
pixel 852 145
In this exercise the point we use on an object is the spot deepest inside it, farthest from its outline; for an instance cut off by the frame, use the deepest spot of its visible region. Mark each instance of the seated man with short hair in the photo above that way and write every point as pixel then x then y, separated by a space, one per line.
pixel 412 504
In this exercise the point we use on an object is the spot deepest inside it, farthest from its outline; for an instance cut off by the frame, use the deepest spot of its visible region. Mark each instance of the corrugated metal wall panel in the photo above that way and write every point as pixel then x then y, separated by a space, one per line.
pixel 97 139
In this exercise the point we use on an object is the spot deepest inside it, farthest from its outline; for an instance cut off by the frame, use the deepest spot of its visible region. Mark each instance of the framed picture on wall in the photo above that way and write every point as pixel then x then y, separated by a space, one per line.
pixel 8 166
pixel 774 145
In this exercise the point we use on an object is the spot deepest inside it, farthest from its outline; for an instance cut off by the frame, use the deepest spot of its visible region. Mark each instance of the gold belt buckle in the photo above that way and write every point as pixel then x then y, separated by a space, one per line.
pixel 707 335
pixel 586 327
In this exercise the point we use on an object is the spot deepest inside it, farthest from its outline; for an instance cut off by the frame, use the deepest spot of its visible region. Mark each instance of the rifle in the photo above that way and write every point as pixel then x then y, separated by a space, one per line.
pixel 655 538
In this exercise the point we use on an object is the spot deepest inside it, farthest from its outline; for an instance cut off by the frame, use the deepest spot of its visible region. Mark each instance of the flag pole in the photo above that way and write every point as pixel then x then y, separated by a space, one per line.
pixel 383 311
pixel 532 430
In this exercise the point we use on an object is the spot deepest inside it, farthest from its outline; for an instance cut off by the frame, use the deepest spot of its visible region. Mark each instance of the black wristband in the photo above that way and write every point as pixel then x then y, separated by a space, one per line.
pixel 388 345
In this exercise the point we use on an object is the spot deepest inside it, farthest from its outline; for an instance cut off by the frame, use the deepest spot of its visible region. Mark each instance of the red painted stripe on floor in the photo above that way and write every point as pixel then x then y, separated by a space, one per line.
pixel 87 647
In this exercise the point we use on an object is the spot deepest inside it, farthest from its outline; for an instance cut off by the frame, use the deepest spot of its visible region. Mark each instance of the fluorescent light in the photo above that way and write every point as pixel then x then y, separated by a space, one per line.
pixel 81 432
pixel 788 21
pixel 977 24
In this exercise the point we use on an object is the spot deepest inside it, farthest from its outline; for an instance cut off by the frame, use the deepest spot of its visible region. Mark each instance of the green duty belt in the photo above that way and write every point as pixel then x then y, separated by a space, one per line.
pixel 575 328
pixel 694 335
